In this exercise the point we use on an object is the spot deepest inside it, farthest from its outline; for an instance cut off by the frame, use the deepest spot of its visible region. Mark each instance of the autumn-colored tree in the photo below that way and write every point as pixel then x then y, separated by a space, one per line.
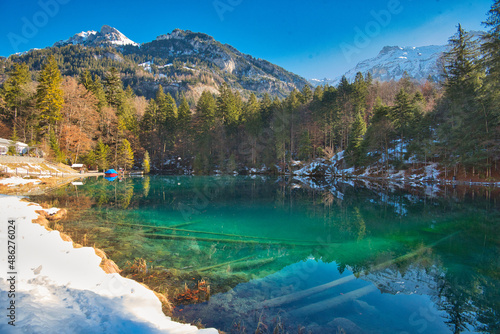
pixel 79 125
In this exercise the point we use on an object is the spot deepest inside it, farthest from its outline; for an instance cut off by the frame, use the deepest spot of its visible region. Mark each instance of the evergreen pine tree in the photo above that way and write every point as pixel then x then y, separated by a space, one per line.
pixel 101 154
pixel 491 44
pixel 305 146
pixel 129 92
pixel 491 89
pixel 253 123
pixel 463 120
pixel 358 130
pixel 114 87
pixel 359 93
pixel 14 89
pixel 205 109
pixel 318 94
pixel 49 95
pixel 13 139
pixel 125 155
pixel 306 94
pixel 98 89
pixel 150 120
pixel 170 112
pixel 161 99
pixel 228 106
pixel 167 108
pixel 251 111
pixel 402 115
pixel 54 146
pixel 86 80
pixel 184 114
pixel 266 108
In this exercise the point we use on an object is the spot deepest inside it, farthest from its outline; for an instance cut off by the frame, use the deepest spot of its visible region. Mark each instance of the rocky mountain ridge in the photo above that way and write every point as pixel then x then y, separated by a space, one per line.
pixel 186 55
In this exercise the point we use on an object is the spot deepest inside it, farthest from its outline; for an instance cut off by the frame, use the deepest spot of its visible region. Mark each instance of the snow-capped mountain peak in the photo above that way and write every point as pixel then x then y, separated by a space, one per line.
pixel 107 35
pixel 392 62
pixel 116 37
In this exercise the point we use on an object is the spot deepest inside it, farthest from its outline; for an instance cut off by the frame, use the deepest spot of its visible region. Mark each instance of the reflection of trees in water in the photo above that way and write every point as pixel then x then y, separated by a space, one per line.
pixel 126 191
pixel 146 185
pixel 469 291
pixel 456 298
pixel 111 193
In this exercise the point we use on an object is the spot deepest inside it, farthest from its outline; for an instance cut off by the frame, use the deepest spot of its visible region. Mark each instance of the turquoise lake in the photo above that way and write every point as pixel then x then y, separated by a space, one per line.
pixel 298 256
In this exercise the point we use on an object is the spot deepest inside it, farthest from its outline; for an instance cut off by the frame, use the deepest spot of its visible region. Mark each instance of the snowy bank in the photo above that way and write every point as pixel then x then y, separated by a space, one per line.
pixel 16 180
pixel 62 289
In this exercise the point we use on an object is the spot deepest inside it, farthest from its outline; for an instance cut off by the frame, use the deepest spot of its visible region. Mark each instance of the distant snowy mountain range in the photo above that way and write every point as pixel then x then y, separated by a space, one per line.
pixel 392 62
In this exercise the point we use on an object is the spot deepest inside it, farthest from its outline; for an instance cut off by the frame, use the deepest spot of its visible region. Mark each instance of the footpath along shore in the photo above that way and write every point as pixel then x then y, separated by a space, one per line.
pixel 48 286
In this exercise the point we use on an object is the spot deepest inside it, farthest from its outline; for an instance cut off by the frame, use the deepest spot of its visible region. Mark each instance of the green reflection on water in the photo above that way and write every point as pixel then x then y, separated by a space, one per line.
pixel 251 228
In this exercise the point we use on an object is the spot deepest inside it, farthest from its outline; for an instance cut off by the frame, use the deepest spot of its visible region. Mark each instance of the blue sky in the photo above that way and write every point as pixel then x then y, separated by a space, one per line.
pixel 315 39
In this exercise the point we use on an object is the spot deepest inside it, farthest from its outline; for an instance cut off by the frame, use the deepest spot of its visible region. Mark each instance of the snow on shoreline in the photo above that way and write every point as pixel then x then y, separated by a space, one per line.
pixel 16 180
pixel 62 289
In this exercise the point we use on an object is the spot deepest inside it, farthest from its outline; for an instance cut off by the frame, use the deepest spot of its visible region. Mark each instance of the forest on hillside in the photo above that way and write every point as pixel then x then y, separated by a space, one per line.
pixel 92 118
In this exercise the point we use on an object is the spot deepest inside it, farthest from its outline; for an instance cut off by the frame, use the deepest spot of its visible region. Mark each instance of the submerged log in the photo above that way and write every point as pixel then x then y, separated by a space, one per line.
pixel 188 237
pixel 333 302
pixel 306 293
pixel 183 224
pixel 251 264
pixel 225 263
